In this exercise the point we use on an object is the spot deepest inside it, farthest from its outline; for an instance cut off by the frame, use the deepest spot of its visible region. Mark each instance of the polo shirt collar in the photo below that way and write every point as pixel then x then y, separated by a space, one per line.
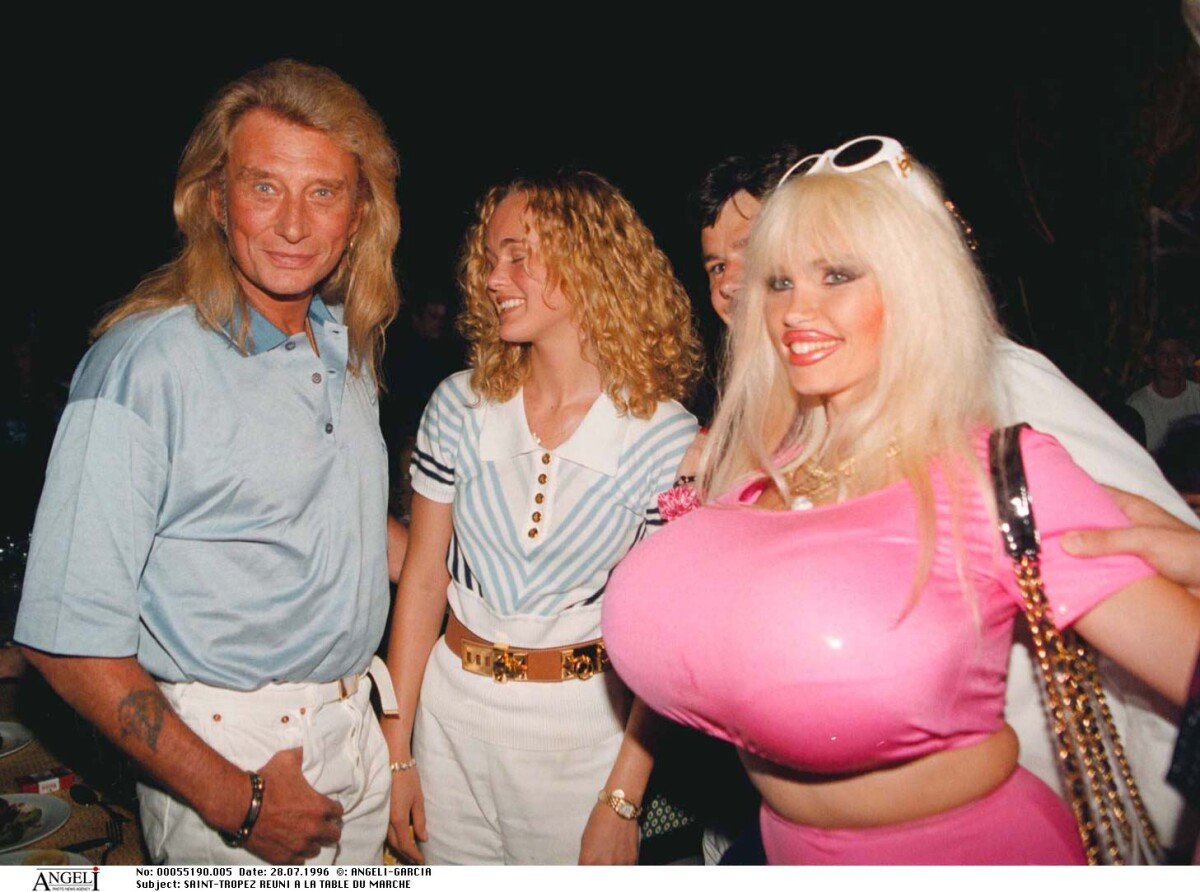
pixel 595 444
pixel 321 312
pixel 266 336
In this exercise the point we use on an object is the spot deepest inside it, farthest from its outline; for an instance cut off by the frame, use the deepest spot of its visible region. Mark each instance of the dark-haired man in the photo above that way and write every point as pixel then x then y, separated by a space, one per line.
pixel 727 202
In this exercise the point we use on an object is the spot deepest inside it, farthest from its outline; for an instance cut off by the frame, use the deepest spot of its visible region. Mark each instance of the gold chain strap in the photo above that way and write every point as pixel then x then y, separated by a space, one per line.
pixel 1084 730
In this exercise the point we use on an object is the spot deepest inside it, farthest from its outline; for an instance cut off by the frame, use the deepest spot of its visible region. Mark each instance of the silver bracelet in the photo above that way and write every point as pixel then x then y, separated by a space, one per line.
pixel 403 766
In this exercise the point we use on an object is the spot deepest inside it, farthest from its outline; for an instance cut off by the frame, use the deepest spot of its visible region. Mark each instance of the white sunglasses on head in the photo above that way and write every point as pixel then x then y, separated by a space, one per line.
pixel 858 154
pixel 867 151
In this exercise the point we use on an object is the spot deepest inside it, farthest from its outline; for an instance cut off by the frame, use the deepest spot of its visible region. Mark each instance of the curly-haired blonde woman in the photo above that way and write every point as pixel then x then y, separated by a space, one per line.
pixel 534 473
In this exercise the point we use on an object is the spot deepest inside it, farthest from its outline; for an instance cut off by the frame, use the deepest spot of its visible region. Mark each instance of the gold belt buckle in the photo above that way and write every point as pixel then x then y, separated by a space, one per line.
pixel 584 662
pixel 499 662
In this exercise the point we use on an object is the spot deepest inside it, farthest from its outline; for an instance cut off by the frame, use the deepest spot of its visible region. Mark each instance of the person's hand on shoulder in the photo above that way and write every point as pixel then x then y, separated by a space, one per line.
pixel 1164 542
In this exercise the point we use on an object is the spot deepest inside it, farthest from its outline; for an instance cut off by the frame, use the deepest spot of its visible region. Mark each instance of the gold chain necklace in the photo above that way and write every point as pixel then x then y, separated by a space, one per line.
pixel 563 437
pixel 812 481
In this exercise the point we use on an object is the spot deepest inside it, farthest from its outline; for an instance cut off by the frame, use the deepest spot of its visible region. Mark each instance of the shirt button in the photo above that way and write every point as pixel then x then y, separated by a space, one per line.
pixel 537 516
pixel 533 534
pixel 542 478
pixel 539 498
pixel 285 719
pixel 329 428
pixel 545 458
pixel 290 345
pixel 316 379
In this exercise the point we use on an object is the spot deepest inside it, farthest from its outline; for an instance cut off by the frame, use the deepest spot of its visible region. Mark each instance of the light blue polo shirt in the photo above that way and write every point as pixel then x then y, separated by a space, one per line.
pixel 221 516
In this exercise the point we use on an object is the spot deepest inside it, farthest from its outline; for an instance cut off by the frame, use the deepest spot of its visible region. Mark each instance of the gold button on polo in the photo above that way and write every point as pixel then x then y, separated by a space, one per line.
pixel 537 516
pixel 539 498
pixel 216 716
pixel 285 719
pixel 542 478
pixel 533 533
pixel 545 458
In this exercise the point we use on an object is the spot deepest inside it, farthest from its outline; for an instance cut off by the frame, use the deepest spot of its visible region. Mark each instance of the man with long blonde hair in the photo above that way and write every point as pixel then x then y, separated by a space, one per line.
pixel 207 580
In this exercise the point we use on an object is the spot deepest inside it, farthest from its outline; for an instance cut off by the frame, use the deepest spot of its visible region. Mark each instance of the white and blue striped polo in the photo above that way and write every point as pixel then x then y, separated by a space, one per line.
pixel 537 531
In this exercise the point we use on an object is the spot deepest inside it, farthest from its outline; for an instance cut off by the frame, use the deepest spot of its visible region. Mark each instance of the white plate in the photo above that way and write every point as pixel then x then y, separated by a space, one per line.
pixel 13 737
pixel 33 858
pixel 54 814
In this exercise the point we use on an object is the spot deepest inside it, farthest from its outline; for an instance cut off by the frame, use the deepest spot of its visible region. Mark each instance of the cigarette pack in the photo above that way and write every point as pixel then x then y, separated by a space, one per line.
pixel 59 778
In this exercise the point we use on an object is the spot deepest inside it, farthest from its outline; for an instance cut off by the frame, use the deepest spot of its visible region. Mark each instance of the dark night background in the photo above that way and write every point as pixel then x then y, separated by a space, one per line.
pixel 1055 126
pixel 1053 132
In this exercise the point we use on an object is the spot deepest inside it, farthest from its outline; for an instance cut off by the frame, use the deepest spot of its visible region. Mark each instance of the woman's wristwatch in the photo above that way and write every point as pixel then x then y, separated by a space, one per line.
pixel 617 802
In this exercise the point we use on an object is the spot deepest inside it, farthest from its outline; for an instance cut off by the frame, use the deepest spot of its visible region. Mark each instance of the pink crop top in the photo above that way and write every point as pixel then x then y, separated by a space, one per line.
pixel 783 632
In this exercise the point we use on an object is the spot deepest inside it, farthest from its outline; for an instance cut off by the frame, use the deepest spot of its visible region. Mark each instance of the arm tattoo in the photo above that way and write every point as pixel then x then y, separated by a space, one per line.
pixel 140 715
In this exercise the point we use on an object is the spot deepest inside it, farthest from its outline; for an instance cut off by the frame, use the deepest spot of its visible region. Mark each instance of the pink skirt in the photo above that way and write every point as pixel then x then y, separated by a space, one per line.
pixel 1020 822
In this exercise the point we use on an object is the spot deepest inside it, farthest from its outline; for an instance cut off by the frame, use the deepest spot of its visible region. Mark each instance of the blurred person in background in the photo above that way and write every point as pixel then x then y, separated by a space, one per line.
pixel 1169 395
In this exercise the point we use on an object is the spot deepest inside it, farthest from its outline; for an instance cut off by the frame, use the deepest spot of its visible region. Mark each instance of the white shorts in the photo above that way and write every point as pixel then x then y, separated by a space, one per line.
pixel 510 772
pixel 345 758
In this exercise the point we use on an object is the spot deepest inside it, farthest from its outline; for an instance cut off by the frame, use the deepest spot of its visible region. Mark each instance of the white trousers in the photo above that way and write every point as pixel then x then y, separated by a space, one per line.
pixel 510 772
pixel 345 758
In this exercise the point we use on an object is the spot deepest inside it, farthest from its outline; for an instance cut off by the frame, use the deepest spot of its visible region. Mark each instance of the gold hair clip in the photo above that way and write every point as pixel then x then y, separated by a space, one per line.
pixel 968 233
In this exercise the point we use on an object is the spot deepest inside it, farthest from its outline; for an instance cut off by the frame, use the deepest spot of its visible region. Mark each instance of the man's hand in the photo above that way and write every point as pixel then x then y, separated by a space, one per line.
pixel 608 838
pixel 295 820
pixel 117 695
pixel 1164 542
pixel 407 823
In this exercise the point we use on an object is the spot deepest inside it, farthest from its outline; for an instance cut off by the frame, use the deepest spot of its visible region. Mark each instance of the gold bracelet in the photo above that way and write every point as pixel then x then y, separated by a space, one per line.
pixel 403 766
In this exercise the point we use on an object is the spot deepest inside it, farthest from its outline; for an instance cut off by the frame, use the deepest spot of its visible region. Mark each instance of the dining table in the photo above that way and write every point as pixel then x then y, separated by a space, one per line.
pixel 85 822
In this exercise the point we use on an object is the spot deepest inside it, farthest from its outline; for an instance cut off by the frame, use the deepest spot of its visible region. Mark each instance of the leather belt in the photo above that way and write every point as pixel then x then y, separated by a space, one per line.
pixel 347 687
pixel 290 695
pixel 503 663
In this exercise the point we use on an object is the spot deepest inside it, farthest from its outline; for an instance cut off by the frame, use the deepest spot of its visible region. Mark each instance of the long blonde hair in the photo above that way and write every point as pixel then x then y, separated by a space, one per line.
pixel 202 274
pixel 620 285
pixel 934 381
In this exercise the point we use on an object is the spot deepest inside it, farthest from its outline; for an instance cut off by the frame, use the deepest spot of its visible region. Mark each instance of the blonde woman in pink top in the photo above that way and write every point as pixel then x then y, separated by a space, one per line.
pixel 841 608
